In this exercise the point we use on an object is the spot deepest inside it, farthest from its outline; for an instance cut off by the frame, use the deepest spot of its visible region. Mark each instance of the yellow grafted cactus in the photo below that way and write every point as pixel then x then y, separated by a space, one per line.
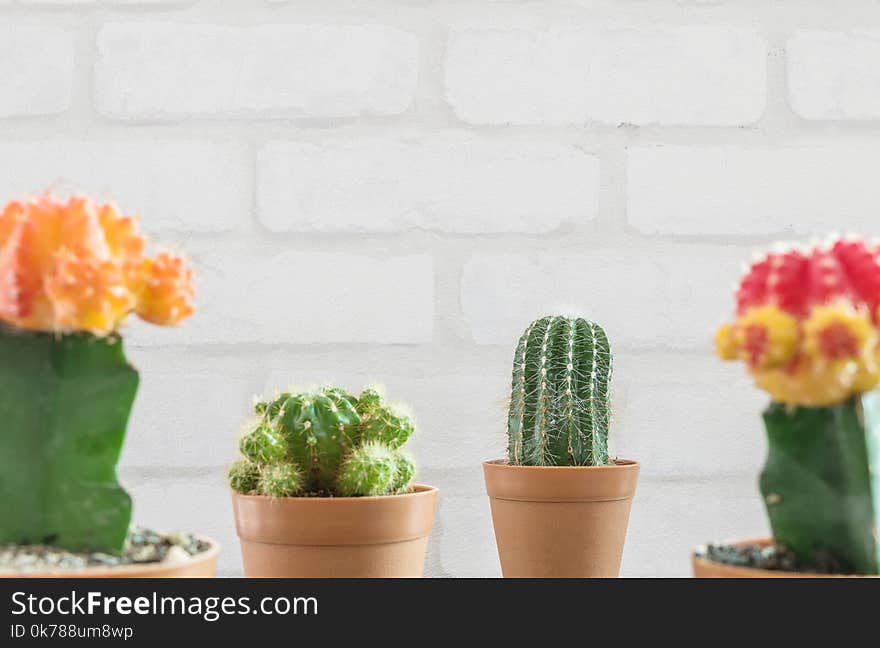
pixel 766 337
pixel 726 343
pixel 807 326
pixel 808 323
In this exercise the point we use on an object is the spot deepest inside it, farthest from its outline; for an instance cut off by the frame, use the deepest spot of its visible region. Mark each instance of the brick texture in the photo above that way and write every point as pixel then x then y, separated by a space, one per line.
pixel 263 71
pixel 578 75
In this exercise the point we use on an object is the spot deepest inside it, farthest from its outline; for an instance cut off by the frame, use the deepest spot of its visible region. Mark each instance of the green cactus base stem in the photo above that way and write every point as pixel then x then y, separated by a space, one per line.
pixel 821 482
pixel 64 405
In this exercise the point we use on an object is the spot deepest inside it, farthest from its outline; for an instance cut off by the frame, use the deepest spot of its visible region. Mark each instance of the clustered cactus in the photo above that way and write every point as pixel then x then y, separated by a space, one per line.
pixel 325 442
pixel 559 401
pixel 808 330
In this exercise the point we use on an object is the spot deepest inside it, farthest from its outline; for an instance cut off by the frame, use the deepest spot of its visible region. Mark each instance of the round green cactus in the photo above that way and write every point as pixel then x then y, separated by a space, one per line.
pixel 383 423
pixel 244 475
pixel 325 442
pixel 280 479
pixel 406 471
pixel 369 469
pixel 262 445
pixel 319 428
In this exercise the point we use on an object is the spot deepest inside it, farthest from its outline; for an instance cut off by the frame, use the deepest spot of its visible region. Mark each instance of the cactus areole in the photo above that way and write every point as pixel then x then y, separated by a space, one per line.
pixel 807 328
pixel 70 273
pixel 559 400
pixel 325 442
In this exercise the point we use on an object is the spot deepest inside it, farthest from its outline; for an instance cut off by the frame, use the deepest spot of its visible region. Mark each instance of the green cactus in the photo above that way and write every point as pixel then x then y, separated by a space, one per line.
pixel 369 469
pixel 383 423
pixel 326 442
pixel 821 483
pixel 559 402
pixel 244 476
pixel 262 445
pixel 280 479
pixel 64 406
pixel 405 472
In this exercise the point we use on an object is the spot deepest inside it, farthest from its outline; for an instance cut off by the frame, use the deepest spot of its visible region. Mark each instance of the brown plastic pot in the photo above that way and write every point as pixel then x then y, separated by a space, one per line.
pixel 704 568
pixel 202 565
pixel 560 521
pixel 335 537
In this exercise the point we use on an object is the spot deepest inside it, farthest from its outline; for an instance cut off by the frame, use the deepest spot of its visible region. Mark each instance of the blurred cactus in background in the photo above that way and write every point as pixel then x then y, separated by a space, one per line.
pixel 559 402
pixel 807 323
pixel 808 330
pixel 325 442
pixel 77 266
pixel 70 273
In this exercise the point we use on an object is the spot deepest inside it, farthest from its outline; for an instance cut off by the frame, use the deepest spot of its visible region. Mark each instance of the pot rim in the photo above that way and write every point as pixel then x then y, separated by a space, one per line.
pixel 561 484
pixel 738 571
pixel 335 521
pixel 618 464
pixel 141 570
pixel 419 490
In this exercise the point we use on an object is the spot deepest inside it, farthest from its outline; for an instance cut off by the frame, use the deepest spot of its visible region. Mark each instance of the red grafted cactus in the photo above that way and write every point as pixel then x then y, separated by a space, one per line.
pixel 807 322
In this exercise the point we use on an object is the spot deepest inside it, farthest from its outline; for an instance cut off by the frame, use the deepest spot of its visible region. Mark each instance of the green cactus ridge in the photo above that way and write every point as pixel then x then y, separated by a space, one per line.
pixel 325 441
pixel 560 400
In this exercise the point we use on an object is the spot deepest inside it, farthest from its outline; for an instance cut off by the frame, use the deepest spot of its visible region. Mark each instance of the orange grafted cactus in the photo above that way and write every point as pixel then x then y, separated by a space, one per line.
pixel 77 266
pixel 167 294
pixel 807 323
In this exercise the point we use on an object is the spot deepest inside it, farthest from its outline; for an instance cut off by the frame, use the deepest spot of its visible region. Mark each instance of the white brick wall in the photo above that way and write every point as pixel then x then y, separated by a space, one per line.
pixel 834 75
pixel 390 193
pixel 388 185
pixel 36 65
pixel 173 184
pixel 168 70
pixel 643 75
pixel 806 187
pixel 259 295
pixel 501 293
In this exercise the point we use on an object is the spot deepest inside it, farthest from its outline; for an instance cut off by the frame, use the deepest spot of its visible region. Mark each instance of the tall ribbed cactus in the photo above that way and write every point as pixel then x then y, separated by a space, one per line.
pixel 325 442
pixel 559 402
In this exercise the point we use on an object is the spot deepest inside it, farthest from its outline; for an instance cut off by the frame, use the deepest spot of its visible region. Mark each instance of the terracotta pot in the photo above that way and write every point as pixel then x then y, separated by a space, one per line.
pixel 202 565
pixel 560 521
pixel 704 568
pixel 335 537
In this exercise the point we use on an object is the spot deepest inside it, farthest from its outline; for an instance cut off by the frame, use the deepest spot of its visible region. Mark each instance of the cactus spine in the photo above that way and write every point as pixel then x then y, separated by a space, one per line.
pixel 560 402
pixel 325 442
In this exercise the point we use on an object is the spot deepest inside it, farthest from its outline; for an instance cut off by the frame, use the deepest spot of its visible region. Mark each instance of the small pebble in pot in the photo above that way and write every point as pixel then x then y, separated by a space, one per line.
pixel 143 546
pixel 773 557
